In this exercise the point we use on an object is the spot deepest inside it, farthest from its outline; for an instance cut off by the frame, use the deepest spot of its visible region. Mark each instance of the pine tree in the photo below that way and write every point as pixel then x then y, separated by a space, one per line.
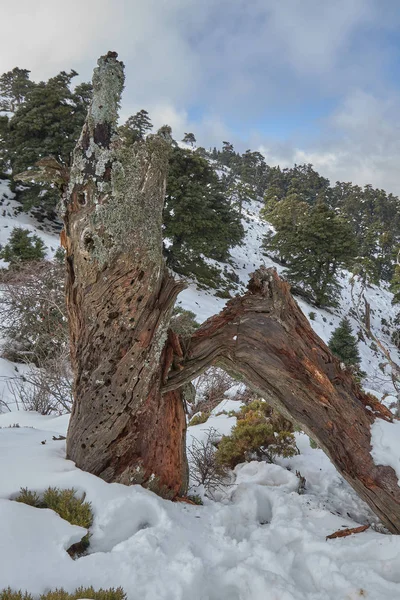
pixel 198 218
pixel 344 345
pixel 47 120
pixel 14 86
pixel 189 138
pixel 136 127
pixel 313 241
pixel 23 247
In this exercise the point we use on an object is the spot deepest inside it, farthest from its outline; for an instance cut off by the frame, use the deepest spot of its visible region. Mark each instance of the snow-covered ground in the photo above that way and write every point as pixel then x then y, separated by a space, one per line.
pixel 261 541
pixel 264 541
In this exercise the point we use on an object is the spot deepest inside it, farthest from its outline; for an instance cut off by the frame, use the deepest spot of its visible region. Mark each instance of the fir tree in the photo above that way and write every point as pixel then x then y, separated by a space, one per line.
pixel 14 86
pixel 47 121
pixel 136 127
pixel 198 218
pixel 22 247
pixel 313 241
pixel 344 345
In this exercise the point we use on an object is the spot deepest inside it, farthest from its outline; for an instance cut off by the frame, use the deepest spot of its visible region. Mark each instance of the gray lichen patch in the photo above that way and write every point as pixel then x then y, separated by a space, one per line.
pixel 108 83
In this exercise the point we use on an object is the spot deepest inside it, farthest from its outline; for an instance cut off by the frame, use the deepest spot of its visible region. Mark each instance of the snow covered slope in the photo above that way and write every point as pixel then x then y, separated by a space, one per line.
pixel 262 541
pixel 248 256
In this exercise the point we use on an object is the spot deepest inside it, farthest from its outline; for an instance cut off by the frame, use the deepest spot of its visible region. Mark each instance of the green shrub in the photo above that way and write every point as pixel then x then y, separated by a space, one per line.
pixel 31 498
pixel 260 433
pixel 65 503
pixel 196 499
pixel 60 594
pixel 312 315
pixel 183 322
pixel 199 419
pixel 22 246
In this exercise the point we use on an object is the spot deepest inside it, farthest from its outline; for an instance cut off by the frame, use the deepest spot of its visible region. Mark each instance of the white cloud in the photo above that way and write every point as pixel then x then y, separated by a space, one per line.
pixel 359 143
pixel 236 61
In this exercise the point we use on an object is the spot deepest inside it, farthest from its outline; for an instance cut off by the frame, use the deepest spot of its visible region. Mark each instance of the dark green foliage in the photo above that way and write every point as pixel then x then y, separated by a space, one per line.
pixel 47 119
pixel 189 138
pixel 23 246
pixel 260 433
pixel 313 242
pixel 14 86
pixel 300 180
pixel 374 216
pixel 198 219
pixel 312 316
pixel 136 127
pixel 60 594
pixel 344 345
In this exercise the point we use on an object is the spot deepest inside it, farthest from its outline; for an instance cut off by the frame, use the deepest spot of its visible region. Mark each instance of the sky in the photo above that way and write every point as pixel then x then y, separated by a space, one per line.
pixel 300 80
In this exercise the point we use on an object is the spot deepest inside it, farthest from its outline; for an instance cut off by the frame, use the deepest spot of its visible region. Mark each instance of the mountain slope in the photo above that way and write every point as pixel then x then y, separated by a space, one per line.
pixel 261 541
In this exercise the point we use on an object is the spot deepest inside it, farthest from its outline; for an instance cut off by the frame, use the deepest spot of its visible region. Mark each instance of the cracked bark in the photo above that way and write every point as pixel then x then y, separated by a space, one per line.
pixel 128 423
pixel 120 297
pixel 263 339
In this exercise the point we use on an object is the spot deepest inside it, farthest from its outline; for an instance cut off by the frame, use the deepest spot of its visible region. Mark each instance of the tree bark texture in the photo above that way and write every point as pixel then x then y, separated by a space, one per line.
pixel 263 339
pixel 128 423
pixel 120 296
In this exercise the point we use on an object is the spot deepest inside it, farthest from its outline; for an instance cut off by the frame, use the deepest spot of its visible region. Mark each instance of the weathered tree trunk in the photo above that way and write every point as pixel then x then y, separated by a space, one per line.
pixel 128 423
pixel 120 297
pixel 264 339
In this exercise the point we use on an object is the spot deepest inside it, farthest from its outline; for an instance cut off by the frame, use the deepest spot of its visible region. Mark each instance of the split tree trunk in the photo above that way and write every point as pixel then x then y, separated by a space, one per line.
pixel 264 339
pixel 128 423
pixel 120 297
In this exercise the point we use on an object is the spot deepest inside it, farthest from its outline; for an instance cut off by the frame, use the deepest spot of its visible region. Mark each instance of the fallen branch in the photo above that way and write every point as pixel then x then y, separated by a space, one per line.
pixel 346 532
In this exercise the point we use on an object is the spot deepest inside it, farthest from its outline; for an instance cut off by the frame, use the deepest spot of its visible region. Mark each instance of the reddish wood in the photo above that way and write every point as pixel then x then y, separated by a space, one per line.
pixel 264 339
pixel 346 532
pixel 120 297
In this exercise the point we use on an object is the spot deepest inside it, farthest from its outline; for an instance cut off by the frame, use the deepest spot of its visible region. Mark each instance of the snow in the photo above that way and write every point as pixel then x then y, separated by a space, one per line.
pixel 385 442
pixel 262 541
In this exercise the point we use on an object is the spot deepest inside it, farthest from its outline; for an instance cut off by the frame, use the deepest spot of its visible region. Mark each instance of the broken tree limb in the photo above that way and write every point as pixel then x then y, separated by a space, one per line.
pixel 346 532
pixel 128 423
pixel 263 339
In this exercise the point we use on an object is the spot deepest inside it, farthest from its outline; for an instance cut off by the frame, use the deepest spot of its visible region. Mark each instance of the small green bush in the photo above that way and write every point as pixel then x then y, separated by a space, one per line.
pixel 22 246
pixel 312 316
pixel 60 594
pixel 196 499
pixel 31 498
pixel 199 419
pixel 65 503
pixel 261 433
pixel 183 322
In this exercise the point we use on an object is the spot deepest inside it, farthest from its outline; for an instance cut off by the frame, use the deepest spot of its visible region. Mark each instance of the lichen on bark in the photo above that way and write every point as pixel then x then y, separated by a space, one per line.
pixel 120 296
